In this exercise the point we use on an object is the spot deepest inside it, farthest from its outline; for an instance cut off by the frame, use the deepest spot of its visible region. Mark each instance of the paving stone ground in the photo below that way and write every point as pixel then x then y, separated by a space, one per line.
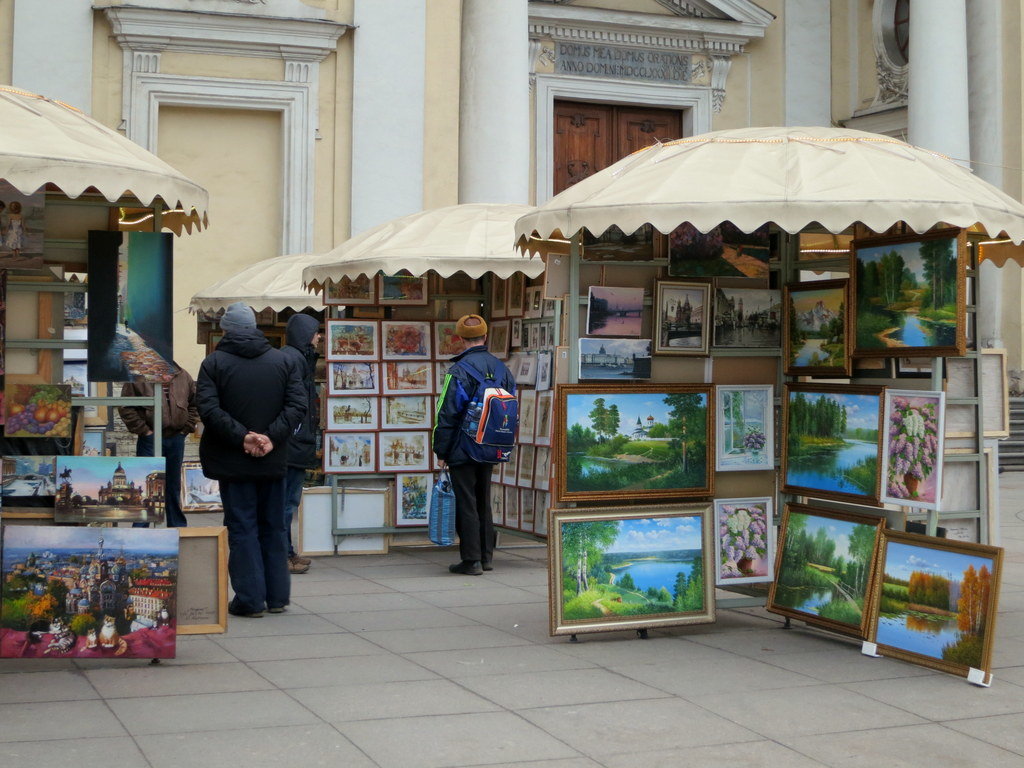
pixel 390 661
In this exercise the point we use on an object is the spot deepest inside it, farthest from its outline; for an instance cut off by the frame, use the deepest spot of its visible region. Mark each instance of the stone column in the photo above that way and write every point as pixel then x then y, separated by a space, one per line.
pixel 494 108
pixel 808 62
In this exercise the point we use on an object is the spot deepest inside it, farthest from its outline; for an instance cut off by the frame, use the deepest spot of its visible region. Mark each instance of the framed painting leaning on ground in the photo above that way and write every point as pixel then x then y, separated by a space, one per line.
pixel 203 580
pixel 615 570
pixel 744 541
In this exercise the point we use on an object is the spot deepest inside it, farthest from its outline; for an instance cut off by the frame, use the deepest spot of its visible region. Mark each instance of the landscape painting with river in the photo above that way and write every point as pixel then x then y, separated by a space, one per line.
pixel 909 295
pixel 636 568
pixel 824 572
pixel 649 441
pixel 937 605
pixel 832 441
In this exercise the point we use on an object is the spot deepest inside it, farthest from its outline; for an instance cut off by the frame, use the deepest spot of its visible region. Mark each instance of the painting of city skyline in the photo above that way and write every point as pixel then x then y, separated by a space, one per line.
pixel 28 481
pixel 94 593
pixel 110 489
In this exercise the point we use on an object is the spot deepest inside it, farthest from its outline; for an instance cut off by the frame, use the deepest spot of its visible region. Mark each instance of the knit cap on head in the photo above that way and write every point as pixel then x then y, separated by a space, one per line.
pixel 471 327
pixel 237 317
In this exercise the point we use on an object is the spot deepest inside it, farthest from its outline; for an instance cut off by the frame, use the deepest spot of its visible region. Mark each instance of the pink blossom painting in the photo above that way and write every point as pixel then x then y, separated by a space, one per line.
pixel 912 448
pixel 745 544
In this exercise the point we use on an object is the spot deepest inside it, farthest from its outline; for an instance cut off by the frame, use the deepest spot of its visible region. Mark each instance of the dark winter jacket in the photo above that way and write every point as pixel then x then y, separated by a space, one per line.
pixel 247 385
pixel 458 390
pixel 298 334
pixel 178 415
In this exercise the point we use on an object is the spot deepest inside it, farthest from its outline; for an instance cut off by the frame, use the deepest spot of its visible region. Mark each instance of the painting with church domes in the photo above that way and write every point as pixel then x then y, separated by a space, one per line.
pixel 88 593
pixel 681 315
pixel 110 489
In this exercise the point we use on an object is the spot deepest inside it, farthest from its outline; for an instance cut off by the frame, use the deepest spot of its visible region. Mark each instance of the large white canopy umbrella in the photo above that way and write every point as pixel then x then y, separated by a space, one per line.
pixel 790 176
pixel 269 284
pixel 48 142
pixel 474 238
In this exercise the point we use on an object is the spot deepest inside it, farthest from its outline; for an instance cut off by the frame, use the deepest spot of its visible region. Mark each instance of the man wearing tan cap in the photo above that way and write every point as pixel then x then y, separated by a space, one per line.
pixel 471 476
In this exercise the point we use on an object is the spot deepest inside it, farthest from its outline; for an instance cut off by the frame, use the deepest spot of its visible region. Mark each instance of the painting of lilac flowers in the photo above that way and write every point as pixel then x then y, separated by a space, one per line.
pixel 745 542
pixel 912 449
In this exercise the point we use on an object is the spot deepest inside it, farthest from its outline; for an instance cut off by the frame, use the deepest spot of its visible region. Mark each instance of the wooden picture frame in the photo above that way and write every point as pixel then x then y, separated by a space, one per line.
pixel 350 293
pixel 913 616
pixel 402 290
pixel 996 405
pixel 527 415
pixel 913 435
pixel 545 369
pixel 527 510
pixel 681 324
pixel 405 412
pixel 527 455
pixel 352 341
pixel 413 493
pixel 202 580
pixel 542 468
pixel 315 523
pixel 511 506
pixel 405 340
pixel 407 377
pixel 647 413
pixel 497 338
pixel 516 295
pixel 545 417
pixel 592 547
pixel 351 413
pixel 351 378
pixel 849 540
pixel 446 343
pixel 497 503
pixel 499 298
pixel 889 314
pixel 824 459
pixel 813 313
pixel 405 451
pixel 526 371
pixel 350 452
pixel 744 541
pixel 744 427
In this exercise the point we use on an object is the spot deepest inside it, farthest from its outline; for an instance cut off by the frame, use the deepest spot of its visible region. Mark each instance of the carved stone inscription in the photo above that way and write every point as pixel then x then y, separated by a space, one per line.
pixel 621 62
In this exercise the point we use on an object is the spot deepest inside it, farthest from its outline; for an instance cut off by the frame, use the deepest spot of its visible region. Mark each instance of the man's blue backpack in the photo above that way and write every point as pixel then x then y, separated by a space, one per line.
pixel 490 422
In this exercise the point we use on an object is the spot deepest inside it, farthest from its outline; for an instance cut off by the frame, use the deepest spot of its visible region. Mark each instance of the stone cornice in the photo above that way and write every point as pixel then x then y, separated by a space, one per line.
pixel 155 29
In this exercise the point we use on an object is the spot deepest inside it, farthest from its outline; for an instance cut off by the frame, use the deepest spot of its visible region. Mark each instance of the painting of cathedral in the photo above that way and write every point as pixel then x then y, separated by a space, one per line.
pixel 110 489
pixel 79 592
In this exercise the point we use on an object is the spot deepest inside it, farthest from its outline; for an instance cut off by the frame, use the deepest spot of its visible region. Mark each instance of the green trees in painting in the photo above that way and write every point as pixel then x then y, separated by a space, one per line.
pixel 583 545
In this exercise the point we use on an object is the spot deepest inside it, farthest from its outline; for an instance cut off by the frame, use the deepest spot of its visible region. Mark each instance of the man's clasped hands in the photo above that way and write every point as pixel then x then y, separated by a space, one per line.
pixel 256 444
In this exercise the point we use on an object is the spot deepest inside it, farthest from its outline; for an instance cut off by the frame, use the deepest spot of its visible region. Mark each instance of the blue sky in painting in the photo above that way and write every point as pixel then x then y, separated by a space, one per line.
pixel 861 410
pixel 657 534
pixel 631 406
pixel 837 531
pixel 902 559
pixel 911 253
pixel 151 541
pixel 88 473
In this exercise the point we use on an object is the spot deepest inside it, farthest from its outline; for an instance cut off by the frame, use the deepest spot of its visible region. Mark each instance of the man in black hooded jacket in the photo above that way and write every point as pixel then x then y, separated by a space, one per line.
pixel 251 398
pixel 302 334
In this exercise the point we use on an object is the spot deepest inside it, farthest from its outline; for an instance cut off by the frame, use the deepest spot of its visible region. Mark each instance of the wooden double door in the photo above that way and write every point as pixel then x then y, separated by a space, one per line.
pixel 589 137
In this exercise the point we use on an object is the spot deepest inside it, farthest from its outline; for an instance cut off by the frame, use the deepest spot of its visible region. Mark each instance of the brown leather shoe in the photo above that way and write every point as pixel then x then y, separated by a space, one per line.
pixel 295 567
pixel 300 560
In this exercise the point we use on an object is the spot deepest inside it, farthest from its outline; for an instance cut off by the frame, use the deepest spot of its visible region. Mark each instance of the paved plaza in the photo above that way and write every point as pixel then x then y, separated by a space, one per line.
pixel 390 661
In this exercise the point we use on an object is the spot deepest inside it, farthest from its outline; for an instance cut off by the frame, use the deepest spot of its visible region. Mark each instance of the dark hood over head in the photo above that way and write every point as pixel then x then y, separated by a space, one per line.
pixel 246 342
pixel 300 330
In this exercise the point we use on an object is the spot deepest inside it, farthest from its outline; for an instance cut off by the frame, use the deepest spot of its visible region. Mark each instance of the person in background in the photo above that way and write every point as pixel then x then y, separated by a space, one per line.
pixel 471 480
pixel 178 419
pixel 302 335
pixel 251 400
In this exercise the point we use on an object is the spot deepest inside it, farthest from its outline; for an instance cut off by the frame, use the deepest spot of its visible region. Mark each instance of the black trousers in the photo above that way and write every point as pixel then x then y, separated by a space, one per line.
pixel 472 486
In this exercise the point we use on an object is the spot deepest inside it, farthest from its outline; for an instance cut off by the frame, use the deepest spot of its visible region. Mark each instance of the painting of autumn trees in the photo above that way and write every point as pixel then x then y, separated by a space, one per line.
pixel 938 601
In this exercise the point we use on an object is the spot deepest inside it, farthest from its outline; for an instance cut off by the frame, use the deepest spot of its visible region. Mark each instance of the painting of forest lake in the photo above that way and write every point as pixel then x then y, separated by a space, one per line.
pixel 621 359
pixel 909 294
pixel 627 571
pixel 832 442
pixel 645 442
pixel 93 593
pixel 823 572
pixel 937 602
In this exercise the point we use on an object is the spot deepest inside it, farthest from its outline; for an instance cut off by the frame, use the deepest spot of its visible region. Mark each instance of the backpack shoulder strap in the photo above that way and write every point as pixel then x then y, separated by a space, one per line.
pixel 475 373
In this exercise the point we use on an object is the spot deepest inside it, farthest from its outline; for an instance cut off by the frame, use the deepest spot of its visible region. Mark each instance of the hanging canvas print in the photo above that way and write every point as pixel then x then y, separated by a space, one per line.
pixel 542 468
pixel 542 433
pixel 130 328
pixel 824 571
pixel 831 442
pixel 28 481
pixel 645 244
pixel 22 223
pixel 744 541
pixel 724 251
pixel 615 311
pixel 936 602
pixel 352 340
pixel 516 294
pixel 413 499
pixel 407 378
pixel 817 329
pixel 613 569
pixel 93 489
pixel 527 415
pixel 403 290
pixel 36 410
pixel 745 425
pixel 499 297
pixel 497 338
pixel 447 343
pixel 356 412
pixel 619 359
pixel 912 441
pixel 198 492
pixel 747 318
pixel 406 412
pixel 910 295
pixel 680 310
pixel 349 292
pixel 639 442
pixel 406 340
pixel 119 601
pixel 404 451
pixel 544 369
pixel 352 378
pixel 350 452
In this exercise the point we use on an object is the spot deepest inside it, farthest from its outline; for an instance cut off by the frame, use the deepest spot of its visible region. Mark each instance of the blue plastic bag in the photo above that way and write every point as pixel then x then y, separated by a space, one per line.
pixel 442 511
